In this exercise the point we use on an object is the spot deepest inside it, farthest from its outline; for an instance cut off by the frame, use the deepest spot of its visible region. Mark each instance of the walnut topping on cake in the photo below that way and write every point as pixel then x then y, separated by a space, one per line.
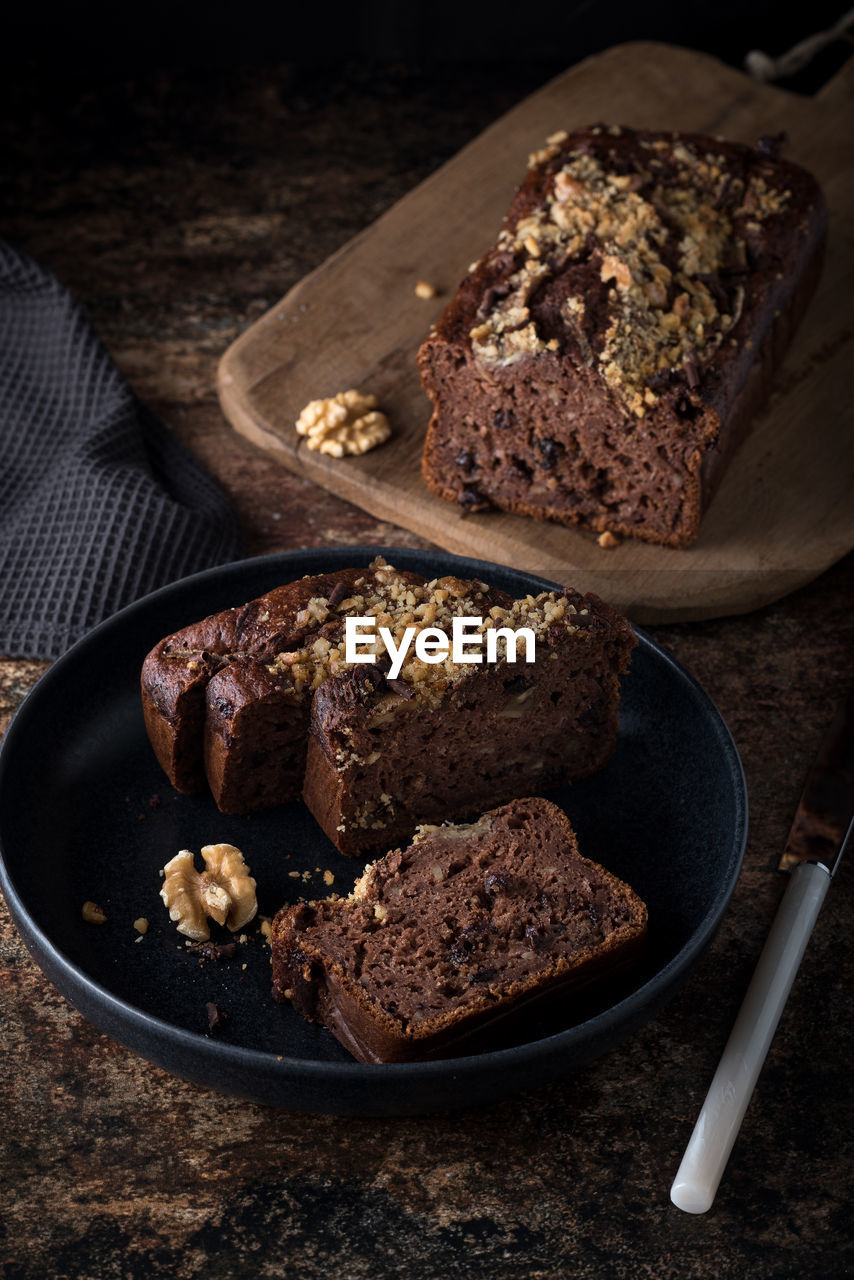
pixel 552 147
pixel 397 604
pixel 666 229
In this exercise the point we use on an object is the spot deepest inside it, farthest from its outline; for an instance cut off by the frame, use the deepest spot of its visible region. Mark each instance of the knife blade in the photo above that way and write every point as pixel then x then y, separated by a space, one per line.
pixel 827 801
pixel 822 830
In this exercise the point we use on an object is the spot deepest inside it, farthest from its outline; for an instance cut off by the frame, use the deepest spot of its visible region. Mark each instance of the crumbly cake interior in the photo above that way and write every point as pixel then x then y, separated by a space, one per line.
pixel 513 729
pixel 450 739
pixel 470 914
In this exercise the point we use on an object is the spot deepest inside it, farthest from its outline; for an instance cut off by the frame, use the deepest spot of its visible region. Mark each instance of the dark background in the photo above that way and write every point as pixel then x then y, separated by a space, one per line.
pixel 116 83
pixel 218 35
pixel 60 43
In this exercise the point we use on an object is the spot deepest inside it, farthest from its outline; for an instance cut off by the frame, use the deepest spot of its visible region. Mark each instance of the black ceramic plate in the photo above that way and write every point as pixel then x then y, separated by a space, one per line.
pixel 85 813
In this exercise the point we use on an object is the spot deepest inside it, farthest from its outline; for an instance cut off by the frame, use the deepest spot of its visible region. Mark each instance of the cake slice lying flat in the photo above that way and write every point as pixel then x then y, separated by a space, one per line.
pixel 468 925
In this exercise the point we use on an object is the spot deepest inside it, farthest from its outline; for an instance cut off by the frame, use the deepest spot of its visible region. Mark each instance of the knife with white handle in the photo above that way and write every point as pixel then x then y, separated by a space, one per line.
pixel 822 829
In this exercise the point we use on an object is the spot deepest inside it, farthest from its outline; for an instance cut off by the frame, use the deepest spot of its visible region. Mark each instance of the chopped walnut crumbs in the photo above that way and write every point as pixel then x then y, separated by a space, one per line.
pixel 630 218
pixel 397 604
pixel 608 540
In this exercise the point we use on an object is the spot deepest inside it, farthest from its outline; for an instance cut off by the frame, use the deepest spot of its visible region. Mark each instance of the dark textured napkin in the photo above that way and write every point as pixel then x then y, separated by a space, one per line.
pixel 99 503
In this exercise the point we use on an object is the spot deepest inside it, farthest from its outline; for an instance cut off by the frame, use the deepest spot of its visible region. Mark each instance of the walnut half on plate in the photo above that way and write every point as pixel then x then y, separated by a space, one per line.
pixel 224 891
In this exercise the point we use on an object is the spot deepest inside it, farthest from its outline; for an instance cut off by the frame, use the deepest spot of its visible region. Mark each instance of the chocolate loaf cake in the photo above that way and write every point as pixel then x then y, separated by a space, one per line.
pixel 257 715
pixel 468 926
pixel 601 363
pixel 449 739
pixel 177 673
pixel 260 702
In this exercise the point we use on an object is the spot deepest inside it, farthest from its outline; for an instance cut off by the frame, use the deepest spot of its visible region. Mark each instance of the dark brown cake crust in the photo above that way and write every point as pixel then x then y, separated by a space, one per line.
pixel 177 671
pixel 462 930
pixel 601 363
pixel 381 761
pixel 256 728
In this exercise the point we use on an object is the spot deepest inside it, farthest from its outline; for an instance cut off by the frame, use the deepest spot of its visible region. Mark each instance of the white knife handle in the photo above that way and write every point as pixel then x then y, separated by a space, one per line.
pixel 729 1093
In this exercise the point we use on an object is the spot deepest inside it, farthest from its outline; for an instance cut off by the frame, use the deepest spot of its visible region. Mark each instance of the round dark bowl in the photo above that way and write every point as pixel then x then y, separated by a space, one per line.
pixel 85 813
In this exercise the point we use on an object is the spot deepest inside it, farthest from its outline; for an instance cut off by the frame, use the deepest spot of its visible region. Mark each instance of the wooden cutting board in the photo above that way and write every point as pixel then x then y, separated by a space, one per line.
pixel 785 510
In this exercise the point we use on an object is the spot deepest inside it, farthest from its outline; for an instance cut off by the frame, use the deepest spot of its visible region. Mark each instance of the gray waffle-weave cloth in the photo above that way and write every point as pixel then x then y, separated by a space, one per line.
pixel 99 503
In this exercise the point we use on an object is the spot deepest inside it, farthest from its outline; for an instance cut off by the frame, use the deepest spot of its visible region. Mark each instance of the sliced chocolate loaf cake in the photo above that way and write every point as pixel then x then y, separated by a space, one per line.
pixel 177 672
pixel 467 926
pixel 601 363
pixel 257 709
pixel 261 702
pixel 447 739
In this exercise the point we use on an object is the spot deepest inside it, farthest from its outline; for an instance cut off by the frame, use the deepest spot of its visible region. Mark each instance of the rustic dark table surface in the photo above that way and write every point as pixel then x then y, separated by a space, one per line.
pixel 178 209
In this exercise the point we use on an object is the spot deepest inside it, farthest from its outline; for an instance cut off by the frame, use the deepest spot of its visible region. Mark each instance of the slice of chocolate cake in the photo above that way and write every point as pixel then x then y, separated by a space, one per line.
pixel 256 725
pixel 447 740
pixel 467 926
pixel 177 672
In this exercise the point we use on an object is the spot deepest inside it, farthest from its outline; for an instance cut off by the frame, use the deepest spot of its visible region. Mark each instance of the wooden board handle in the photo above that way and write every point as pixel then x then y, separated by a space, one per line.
pixel 839 89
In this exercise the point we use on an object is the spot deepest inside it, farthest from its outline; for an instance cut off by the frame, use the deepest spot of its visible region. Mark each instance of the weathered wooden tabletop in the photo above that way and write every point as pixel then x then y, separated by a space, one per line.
pixel 178 212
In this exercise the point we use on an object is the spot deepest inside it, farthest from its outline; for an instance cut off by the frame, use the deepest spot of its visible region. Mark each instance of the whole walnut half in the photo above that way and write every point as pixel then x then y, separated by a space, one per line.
pixel 224 891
